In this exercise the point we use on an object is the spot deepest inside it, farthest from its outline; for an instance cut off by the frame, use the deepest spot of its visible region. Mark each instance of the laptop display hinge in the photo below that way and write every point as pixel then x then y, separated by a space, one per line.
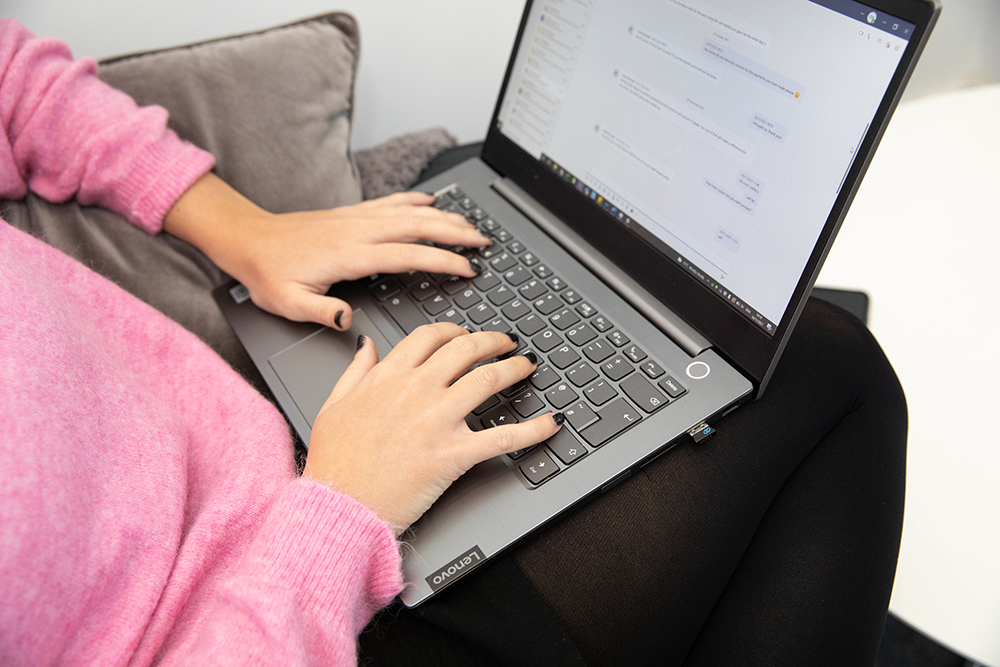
pixel 635 294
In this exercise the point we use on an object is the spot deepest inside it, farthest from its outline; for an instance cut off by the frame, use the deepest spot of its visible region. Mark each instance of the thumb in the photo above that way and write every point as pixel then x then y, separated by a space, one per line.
pixel 364 360
pixel 306 306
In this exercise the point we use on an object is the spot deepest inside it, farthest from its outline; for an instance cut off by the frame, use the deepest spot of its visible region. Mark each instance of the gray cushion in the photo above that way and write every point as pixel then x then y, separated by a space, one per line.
pixel 273 106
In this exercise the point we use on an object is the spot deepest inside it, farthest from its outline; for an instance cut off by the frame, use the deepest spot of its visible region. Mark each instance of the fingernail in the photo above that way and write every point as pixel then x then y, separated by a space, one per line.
pixel 531 356
pixel 513 337
pixel 559 418
pixel 361 341
pixel 476 266
pixel 336 318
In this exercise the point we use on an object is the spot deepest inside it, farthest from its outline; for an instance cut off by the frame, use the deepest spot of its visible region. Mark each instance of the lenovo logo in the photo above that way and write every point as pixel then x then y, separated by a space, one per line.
pixel 456 568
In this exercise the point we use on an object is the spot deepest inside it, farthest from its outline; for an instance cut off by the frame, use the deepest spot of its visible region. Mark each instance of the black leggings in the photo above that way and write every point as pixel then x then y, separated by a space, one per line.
pixel 772 543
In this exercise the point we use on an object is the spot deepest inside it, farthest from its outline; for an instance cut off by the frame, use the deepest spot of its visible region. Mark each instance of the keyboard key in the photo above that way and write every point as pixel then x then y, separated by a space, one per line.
pixel 406 315
pixel 543 271
pixel 635 353
pixel 437 305
pixel 503 262
pixel 486 405
pixel 532 289
pixel 571 297
pixel 564 319
pixel 544 377
pixel 585 309
pixel 672 387
pixel 531 325
pixel 521 452
pixel 563 357
pixel 478 214
pixel 601 323
pixel 581 374
pixel 561 395
pixel 581 335
pixel 618 339
pixel 529 259
pixel 598 351
pixel 466 203
pixel 600 393
pixel 498 416
pixel 516 309
pixel 526 403
pixel 497 324
pixel 481 313
pixel 384 290
pixel 517 276
pixel 617 368
pixel 556 284
pixel 411 277
pixel 501 295
pixel 580 416
pixel 565 447
pixel 614 419
pixel 467 298
pixel 547 340
pixel 538 466
pixel 489 225
pixel 643 394
pixel 514 389
pixel 453 285
pixel 548 304
pixel 451 315
pixel 503 236
pixel 652 369
pixel 515 247
pixel 486 281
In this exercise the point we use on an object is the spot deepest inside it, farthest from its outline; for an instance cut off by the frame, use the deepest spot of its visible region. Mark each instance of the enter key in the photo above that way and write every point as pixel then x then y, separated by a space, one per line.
pixel 614 418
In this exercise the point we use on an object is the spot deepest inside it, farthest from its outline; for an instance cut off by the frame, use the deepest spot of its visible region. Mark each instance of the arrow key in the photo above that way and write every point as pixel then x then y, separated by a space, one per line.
pixel 614 419
pixel 538 467
pixel 498 416
pixel 566 447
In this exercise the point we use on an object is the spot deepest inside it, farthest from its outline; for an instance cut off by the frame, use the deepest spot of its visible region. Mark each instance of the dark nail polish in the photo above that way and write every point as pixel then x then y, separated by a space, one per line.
pixel 336 318
pixel 513 337
pixel 476 266
pixel 559 418
pixel 361 341
pixel 531 356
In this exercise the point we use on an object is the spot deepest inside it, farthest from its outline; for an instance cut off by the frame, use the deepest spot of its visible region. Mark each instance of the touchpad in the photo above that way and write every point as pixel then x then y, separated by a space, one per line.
pixel 310 368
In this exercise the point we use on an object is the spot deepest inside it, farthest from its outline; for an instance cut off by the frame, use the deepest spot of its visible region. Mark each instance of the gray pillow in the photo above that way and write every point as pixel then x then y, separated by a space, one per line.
pixel 275 109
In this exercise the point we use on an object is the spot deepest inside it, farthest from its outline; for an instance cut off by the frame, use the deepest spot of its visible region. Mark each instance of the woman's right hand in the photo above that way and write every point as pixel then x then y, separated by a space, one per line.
pixel 393 435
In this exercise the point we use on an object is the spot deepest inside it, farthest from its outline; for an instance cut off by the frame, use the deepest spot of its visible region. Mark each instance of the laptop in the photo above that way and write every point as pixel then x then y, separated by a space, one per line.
pixel 662 180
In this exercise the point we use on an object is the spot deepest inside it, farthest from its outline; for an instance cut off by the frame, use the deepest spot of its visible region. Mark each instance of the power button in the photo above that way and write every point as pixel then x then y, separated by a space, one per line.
pixel 698 370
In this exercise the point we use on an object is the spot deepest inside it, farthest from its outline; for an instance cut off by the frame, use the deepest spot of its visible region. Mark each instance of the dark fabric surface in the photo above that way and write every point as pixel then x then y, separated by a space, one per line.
pixel 773 543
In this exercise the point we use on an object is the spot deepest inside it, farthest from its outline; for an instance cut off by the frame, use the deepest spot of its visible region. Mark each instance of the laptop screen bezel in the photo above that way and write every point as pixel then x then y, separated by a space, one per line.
pixel 740 341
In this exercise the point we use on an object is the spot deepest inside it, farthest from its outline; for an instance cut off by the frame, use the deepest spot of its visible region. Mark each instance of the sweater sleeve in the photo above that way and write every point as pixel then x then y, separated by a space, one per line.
pixel 67 134
pixel 318 570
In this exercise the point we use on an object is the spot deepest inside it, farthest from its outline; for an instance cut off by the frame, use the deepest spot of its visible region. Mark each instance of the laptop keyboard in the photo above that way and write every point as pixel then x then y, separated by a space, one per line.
pixel 588 368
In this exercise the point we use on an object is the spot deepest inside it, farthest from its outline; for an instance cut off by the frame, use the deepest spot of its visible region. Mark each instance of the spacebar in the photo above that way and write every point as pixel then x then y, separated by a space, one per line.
pixel 405 313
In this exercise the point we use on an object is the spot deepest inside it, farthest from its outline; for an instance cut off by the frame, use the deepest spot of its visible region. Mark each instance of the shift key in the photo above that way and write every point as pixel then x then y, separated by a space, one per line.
pixel 614 418
pixel 407 316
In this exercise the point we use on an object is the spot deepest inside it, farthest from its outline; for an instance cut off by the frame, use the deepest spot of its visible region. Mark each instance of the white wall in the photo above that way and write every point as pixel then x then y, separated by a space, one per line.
pixel 429 63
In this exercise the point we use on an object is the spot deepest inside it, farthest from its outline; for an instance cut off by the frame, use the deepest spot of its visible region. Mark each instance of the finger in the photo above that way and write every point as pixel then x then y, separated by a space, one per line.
pixel 408 224
pixel 401 199
pixel 422 342
pixel 504 439
pixel 364 360
pixel 302 305
pixel 403 257
pixel 472 388
pixel 452 361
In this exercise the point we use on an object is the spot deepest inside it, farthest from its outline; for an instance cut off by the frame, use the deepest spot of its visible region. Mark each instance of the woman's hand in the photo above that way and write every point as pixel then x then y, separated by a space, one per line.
pixel 289 261
pixel 393 436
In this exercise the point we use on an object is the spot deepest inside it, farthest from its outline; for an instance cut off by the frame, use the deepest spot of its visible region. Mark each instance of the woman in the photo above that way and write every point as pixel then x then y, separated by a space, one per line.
pixel 149 510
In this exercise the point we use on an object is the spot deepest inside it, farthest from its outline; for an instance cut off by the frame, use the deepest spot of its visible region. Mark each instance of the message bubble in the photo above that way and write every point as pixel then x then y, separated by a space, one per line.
pixel 768 128
pixel 728 25
pixel 640 157
pixel 727 239
pixel 746 201
pixel 706 130
pixel 767 77
pixel 677 55
pixel 753 186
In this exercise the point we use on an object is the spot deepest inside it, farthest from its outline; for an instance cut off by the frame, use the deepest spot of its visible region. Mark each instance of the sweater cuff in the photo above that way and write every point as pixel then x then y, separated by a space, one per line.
pixel 162 173
pixel 335 551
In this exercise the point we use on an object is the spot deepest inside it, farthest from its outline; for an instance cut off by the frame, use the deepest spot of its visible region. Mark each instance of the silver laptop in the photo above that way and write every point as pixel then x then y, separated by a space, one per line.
pixel 662 180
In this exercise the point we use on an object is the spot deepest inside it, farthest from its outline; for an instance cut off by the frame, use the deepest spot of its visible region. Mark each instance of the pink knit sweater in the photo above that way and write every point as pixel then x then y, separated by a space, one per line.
pixel 148 507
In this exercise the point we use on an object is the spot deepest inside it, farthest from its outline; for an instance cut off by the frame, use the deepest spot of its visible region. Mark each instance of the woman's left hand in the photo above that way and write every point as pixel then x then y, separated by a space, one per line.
pixel 289 261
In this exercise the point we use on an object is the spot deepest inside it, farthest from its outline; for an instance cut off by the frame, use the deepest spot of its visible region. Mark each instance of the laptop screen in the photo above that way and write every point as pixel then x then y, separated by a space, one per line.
pixel 720 133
